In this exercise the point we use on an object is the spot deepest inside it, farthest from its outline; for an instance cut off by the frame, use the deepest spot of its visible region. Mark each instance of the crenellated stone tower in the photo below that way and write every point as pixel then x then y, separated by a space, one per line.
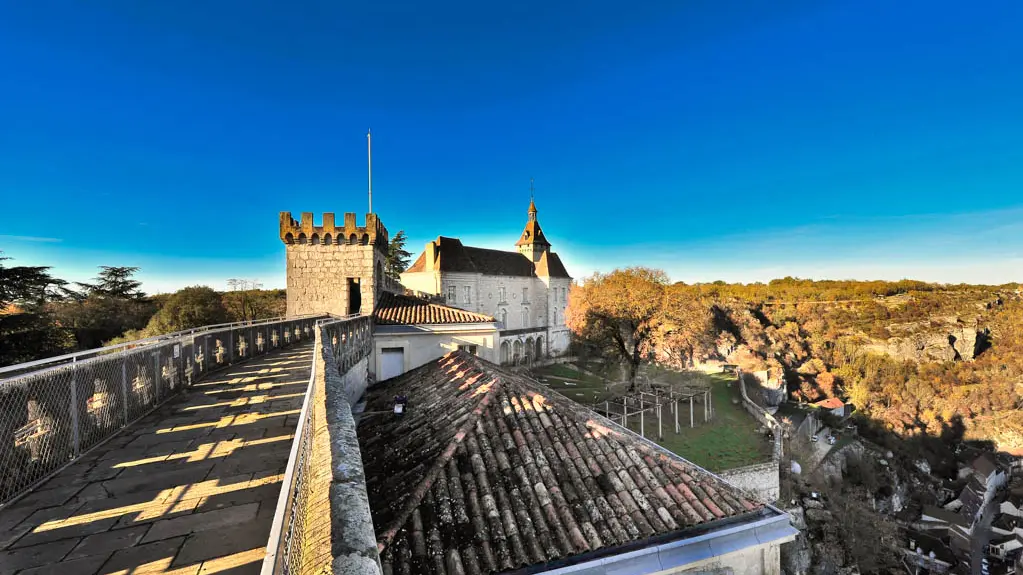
pixel 333 269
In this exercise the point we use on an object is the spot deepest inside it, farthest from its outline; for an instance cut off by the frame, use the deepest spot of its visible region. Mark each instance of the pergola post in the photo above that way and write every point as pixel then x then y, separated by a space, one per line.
pixel 692 422
pixel 660 430
pixel 677 428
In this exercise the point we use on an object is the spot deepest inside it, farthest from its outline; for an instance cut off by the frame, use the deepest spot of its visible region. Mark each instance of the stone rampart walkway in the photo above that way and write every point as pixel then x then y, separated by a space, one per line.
pixel 190 489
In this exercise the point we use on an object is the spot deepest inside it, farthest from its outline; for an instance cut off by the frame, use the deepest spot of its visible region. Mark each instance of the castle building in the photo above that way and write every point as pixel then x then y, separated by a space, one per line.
pixel 339 270
pixel 526 291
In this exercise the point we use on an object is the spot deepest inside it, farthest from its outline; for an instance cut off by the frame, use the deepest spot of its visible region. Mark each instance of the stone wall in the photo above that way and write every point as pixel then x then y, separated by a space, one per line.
pixel 759 478
pixel 332 530
pixel 318 277
pixel 321 259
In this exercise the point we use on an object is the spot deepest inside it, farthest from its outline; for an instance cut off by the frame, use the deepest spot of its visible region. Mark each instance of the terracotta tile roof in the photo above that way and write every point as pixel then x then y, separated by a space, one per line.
pixel 394 309
pixel 489 471
pixel 830 403
pixel 452 256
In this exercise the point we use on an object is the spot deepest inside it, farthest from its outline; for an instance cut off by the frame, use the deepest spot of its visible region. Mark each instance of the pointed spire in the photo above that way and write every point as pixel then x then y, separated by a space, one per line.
pixel 532 205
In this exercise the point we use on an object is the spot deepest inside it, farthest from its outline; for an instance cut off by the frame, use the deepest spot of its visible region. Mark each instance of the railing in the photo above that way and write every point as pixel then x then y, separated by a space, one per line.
pixel 39 364
pixel 301 536
pixel 53 414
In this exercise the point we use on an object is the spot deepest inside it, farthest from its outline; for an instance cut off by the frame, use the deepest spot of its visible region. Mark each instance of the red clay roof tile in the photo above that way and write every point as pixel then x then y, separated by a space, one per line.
pixel 489 471
pixel 394 309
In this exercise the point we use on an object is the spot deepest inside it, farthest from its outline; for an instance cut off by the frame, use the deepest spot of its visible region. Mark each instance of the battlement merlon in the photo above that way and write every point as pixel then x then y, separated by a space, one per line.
pixel 304 232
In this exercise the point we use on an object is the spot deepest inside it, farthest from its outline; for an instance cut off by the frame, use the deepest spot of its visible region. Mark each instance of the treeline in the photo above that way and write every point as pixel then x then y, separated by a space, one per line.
pixel 823 338
pixel 43 316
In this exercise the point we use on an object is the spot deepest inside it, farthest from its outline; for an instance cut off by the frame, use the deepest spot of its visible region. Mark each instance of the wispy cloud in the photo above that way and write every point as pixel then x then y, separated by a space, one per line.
pixel 29 239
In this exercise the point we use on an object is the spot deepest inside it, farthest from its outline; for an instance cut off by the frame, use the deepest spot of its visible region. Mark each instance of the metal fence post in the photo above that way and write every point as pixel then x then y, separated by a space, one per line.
pixel 75 435
pixel 124 386
pixel 156 374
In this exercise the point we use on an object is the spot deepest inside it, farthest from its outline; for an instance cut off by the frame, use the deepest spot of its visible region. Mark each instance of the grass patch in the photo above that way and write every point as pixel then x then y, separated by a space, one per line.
pixel 572 383
pixel 731 439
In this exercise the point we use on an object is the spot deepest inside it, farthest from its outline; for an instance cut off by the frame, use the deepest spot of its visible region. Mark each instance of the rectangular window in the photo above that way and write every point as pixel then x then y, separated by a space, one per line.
pixel 451 294
pixel 468 348
pixel 467 294
pixel 525 295
pixel 525 316
pixel 500 295
pixel 563 294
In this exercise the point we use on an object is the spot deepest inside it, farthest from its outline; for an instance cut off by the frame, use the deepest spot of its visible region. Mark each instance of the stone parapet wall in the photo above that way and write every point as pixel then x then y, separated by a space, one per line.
pixel 328 526
pixel 761 479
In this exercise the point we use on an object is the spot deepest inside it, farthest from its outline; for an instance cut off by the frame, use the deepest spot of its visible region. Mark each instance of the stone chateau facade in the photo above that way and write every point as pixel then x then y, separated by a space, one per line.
pixel 338 268
pixel 526 291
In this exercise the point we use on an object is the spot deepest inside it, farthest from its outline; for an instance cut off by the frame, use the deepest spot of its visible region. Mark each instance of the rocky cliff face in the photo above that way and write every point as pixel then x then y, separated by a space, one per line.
pixel 949 344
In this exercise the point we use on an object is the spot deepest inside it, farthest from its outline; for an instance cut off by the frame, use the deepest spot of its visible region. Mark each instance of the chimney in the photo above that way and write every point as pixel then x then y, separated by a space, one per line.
pixel 431 255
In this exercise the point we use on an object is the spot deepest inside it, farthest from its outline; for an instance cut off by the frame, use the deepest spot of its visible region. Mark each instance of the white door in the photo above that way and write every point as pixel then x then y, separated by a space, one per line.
pixel 392 362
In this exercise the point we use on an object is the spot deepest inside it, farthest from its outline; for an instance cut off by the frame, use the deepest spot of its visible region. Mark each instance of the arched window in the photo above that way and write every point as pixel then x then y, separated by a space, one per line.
pixel 288 238
pixel 365 239
pixel 301 239
pixel 516 351
pixel 504 318
pixel 314 239
pixel 539 348
pixel 326 239
pixel 505 353
pixel 353 239
pixel 525 317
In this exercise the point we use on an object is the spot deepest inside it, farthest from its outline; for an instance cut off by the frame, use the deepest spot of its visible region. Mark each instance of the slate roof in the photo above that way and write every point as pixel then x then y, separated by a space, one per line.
pixel 945 515
pixel 984 465
pixel 489 471
pixel 394 309
pixel 972 498
pixel 453 256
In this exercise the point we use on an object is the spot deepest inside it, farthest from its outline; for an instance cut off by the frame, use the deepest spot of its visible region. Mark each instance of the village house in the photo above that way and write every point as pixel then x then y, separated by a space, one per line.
pixel 526 291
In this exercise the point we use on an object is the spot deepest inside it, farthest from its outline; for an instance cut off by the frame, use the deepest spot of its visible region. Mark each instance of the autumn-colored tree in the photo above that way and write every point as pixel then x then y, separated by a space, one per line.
pixel 619 312
pixel 686 327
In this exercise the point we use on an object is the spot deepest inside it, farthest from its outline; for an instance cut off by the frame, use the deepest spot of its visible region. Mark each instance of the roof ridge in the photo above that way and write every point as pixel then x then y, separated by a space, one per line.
pixel 386 536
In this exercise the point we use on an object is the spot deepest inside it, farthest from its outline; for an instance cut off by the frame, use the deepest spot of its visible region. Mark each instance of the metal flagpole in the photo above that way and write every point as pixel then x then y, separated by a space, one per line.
pixel 369 156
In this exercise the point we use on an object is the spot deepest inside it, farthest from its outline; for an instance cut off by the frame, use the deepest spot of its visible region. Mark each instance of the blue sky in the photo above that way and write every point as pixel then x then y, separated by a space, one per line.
pixel 716 140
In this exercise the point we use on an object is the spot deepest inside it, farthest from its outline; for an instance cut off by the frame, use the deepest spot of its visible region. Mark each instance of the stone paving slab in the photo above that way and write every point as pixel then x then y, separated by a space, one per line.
pixel 189 489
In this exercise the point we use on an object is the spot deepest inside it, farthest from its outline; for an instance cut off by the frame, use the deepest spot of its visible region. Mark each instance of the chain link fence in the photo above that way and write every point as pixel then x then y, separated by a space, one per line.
pixel 301 532
pixel 54 410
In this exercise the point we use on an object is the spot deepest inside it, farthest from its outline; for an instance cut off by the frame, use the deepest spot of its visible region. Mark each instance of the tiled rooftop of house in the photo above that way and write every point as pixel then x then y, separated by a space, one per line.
pixel 490 471
pixel 394 309
pixel 830 403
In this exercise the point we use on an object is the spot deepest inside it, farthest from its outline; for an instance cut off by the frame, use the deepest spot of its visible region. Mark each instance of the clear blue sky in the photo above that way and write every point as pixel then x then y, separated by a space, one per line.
pixel 735 140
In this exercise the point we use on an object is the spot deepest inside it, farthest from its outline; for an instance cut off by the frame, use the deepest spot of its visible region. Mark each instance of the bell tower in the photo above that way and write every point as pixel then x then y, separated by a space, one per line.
pixel 532 242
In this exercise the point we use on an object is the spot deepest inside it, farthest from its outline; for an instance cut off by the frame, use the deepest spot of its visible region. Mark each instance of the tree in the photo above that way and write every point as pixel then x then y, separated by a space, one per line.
pixel 106 308
pixel 619 312
pixel 240 299
pixel 27 329
pixel 189 307
pixel 686 329
pixel 115 282
pixel 397 256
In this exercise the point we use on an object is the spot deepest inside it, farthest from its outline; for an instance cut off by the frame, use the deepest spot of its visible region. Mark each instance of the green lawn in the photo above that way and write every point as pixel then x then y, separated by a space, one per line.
pixel 572 383
pixel 731 439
